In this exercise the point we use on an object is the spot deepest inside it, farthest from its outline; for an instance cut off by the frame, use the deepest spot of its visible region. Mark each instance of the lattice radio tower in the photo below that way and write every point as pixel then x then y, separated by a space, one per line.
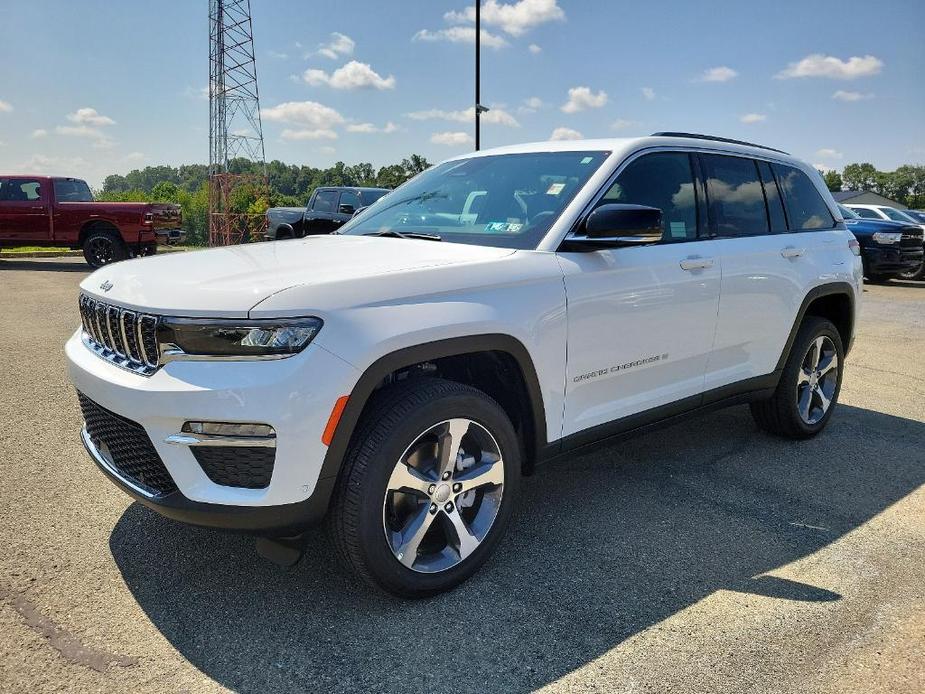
pixel 235 130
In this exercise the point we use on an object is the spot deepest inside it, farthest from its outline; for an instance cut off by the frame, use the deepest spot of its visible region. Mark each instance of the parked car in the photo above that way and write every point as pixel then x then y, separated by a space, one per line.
pixel 399 377
pixel 885 212
pixel 58 211
pixel 328 208
pixel 888 249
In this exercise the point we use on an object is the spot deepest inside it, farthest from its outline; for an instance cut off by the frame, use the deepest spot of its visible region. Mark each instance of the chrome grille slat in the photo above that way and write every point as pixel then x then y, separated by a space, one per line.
pixel 123 337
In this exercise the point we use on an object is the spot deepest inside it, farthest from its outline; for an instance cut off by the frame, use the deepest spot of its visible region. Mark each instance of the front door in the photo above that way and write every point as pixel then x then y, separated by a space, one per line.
pixel 642 319
pixel 23 210
pixel 319 218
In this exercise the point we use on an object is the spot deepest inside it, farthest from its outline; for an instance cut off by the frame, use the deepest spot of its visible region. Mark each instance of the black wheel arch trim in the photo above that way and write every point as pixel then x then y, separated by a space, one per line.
pixel 828 289
pixel 428 351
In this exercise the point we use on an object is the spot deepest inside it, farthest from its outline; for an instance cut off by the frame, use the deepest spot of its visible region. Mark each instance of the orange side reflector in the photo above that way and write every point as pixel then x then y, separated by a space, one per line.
pixel 331 427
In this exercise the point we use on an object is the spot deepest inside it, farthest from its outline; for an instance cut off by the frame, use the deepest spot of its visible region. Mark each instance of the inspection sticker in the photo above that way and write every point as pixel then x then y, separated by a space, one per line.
pixel 502 227
pixel 555 189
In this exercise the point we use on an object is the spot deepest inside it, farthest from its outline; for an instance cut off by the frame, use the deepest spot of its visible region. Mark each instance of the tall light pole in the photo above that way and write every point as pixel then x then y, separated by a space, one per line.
pixel 479 109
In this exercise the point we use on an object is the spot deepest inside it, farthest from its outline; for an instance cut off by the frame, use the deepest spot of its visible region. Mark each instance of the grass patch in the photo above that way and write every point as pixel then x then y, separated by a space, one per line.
pixel 33 249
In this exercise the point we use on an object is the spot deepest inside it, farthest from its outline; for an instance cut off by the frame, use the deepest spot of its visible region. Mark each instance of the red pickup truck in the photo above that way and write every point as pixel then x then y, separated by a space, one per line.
pixel 58 211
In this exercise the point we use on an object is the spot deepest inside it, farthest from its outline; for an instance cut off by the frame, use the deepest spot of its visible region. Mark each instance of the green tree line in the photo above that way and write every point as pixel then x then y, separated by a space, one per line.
pixel 290 186
pixel 905 185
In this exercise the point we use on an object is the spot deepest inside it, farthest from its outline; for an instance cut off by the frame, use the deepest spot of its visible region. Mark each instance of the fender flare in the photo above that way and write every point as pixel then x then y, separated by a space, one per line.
pixel 382 367
pixel 829 289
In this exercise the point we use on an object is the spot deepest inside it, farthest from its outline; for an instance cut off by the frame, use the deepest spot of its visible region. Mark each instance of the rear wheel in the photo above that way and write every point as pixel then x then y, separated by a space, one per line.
pixel 103 247
pixel 809 385
pixel 427 489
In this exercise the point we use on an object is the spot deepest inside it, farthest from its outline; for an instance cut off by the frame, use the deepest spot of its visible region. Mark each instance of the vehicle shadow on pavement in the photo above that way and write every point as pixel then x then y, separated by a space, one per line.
pixel 605 544
pixel 45 266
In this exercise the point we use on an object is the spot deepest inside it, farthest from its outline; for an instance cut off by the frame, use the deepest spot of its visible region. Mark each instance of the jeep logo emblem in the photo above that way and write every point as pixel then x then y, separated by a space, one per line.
pixel 106 286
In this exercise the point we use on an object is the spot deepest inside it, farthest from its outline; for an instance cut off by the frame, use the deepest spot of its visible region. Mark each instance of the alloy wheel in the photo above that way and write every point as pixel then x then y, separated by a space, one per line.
pixel 817 380
pixel 443 495
pixel 101 250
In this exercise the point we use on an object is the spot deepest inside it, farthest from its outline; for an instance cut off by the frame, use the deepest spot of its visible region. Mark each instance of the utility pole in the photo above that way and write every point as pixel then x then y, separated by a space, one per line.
pixel 479 109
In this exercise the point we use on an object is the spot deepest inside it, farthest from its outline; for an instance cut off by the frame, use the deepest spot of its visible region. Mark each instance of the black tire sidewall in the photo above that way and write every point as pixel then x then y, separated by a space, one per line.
pixel 373 545
pixel 119 251
pixel 811 329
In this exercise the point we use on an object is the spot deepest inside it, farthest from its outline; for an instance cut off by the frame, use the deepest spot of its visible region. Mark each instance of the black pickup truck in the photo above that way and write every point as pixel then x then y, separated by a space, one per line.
pixel 327 209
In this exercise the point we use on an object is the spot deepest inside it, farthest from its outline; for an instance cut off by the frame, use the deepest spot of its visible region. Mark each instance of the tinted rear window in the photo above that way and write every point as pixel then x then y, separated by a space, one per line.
pixel 735 195
pixel 806 209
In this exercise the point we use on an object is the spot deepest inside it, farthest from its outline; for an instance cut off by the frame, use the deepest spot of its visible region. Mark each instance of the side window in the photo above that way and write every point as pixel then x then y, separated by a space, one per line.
pixel 349 202
pixel 663 180
pixel 20 190
pixel 772 196
pixel 865 213
pixel 325 201
pixel 735 195
pixel 806 209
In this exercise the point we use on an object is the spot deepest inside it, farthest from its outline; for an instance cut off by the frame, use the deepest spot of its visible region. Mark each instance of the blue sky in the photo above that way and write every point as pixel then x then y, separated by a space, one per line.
pixel 93 87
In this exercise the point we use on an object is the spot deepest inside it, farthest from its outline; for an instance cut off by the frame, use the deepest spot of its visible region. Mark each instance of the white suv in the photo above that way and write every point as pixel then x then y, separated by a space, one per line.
pixel 498 310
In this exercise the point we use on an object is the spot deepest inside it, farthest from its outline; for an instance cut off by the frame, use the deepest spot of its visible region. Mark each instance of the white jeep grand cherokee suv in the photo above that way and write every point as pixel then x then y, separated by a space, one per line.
pixel 500 309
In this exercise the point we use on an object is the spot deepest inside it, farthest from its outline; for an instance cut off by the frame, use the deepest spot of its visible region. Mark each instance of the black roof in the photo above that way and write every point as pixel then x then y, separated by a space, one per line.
pixel 698 136
pixel 359 188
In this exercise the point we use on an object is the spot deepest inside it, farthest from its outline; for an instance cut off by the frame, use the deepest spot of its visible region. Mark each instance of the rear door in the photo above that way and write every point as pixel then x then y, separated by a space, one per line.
pixel 641 319
pixel 24 207
pixel 769 258
pixel 319 218
pixel 348 203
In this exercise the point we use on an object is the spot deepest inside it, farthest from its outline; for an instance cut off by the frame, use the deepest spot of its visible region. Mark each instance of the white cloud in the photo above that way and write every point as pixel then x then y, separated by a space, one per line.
pixel 531 105
pixel 389 127
pixel 327 149
pixel 718 74
pixel 648 93
pixel 134 156
pixel 309 114
pixel 819 65
pixel 353 75
pixel 99 138
pixel 308 134
pixel 514 18
pixel 563 133
pixel 580 98
pixel 829 153
pixel 842 95
pixel 89 116
pixel 495 116
pixel 753 118
pixel 39 132
pixel 40 163
pixel 823 167
pixel 196 92
pixel 460 35
pixel 339 45
pixel 622 124
pixel 534 49
pixel 451 138
pixel 5 106
pixel 277 55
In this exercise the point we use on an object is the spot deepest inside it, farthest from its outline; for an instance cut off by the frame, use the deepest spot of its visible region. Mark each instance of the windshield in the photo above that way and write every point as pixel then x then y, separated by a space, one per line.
pixel 72 190
pixel 506 200
pixel 896 215
pixel 848 214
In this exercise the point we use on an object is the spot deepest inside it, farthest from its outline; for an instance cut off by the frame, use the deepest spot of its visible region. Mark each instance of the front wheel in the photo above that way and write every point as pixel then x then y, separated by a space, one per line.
pixel 103 247
pixel 427 489
pixel 809 384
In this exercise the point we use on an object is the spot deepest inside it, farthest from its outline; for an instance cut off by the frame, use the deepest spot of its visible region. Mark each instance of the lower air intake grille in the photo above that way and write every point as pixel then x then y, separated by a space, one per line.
pixel 128 447
pixel 249 467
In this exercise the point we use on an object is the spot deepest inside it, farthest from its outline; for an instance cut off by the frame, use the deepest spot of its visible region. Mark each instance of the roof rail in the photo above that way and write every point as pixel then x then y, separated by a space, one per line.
pixel 697 136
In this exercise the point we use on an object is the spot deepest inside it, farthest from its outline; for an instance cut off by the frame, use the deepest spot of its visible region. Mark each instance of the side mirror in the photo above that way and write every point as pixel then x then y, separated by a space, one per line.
pixel 621 225
pixel 347 209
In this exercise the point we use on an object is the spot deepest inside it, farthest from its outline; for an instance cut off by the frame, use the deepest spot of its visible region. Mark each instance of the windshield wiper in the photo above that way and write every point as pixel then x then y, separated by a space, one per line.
pixel 406 235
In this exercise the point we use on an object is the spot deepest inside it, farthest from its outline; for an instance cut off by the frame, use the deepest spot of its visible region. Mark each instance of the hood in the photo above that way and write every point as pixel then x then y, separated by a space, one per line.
pixel 869 226
pixel 228 282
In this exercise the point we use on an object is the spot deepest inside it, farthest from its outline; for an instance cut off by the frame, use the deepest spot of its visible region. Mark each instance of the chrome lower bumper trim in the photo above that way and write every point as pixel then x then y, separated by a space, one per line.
pixel 104 463
pixel 187 439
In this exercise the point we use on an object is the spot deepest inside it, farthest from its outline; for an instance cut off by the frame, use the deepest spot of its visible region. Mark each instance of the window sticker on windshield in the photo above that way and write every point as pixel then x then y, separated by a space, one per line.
pixel 678 230
pixel 503 227
pixel 587 160
pixel 555 189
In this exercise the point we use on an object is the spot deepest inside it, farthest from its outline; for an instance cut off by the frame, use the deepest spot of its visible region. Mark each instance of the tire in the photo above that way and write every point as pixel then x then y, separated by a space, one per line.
pixel 913 275
pixel 375 529
pixel 103 247
pixel 784 413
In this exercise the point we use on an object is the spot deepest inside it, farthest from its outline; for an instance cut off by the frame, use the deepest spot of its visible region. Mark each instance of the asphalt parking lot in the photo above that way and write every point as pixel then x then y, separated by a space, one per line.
pixel 704 557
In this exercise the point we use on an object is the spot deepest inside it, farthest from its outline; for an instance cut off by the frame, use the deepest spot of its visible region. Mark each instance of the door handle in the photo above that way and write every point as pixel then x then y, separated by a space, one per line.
pixel 792 252
pixel 695 262
pixel 337 221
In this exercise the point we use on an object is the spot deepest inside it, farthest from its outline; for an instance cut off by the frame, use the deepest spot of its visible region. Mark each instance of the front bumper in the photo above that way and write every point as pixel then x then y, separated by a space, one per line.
pixel 883 261
pixel 294 396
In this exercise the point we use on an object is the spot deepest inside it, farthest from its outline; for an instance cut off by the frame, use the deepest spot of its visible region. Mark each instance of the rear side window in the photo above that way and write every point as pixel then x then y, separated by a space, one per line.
pixel 865 213
pixel 20 190
pixel 72 190
pixel 349 202
pixel 806 209
pixel 325 201
pixel 735 196
pixel 663 180
pixel 772 196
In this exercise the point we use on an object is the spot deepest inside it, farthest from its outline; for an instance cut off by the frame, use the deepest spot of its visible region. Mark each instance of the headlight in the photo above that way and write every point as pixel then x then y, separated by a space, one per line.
pixel 887 236
pixel 180 338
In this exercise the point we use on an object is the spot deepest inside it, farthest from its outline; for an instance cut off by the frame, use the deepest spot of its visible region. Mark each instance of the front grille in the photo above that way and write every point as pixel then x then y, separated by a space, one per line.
pixel 911 239
pixel 128 447
pixel 237 466
pixel 126 338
